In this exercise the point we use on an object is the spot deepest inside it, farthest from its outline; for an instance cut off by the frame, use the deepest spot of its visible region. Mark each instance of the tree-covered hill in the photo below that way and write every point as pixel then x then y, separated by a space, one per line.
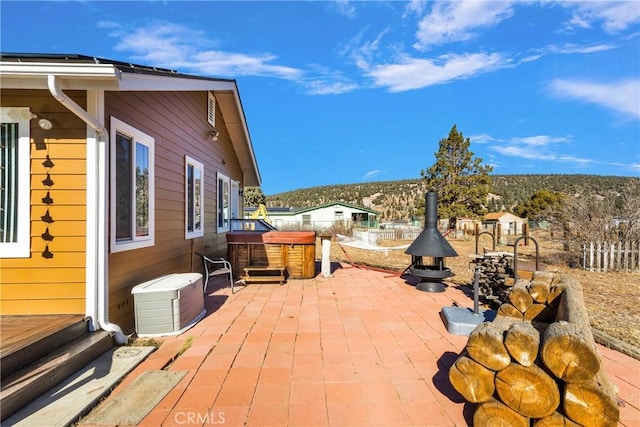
pixel 405 198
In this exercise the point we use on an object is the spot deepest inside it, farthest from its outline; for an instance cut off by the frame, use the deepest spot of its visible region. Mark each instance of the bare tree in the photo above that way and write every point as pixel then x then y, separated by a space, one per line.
pixel 591 218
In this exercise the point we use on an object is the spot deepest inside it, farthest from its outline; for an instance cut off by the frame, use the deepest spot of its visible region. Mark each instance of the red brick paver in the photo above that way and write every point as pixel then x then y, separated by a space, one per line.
pixel 361 348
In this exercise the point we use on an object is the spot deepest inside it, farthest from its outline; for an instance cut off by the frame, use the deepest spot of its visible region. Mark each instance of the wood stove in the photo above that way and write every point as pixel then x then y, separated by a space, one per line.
pixel 430 243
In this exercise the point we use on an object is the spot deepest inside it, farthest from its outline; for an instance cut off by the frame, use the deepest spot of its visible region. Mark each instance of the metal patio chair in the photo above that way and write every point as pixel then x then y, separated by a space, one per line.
pixel 215 267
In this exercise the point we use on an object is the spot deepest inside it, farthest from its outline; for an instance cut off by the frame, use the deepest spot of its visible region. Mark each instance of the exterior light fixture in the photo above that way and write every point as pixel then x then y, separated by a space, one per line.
pixel 213 134
pixel 45 124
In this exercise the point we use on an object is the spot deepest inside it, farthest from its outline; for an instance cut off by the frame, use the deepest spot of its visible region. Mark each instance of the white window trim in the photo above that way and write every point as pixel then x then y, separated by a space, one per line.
pixel 118 126
pixel 21 248
pixel 196 165
pixel 220 228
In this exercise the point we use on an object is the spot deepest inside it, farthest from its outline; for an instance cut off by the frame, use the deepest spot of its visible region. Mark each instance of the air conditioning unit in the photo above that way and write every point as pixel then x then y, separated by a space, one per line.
pixel 168 305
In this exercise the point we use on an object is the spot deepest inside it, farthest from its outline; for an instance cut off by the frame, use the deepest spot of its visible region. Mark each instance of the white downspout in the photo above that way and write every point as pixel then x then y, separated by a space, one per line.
pixel 98 180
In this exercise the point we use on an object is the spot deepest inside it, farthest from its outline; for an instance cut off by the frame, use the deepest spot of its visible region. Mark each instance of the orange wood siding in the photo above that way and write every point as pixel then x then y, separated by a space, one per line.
pixel 177 122
pixel 56 285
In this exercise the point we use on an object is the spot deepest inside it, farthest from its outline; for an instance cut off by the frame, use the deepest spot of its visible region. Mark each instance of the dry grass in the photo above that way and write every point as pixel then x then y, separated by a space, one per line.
pixel 612 299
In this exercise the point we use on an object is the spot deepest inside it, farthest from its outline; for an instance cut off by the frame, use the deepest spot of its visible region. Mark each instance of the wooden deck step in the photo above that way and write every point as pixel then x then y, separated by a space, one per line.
pixel 26 384
pixel 26 339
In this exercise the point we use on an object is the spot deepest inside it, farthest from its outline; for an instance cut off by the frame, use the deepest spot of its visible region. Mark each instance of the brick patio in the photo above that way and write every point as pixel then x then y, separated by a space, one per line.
pixel 361 348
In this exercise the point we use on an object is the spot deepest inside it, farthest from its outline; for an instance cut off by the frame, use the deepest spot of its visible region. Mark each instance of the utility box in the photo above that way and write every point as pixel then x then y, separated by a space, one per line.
pixel 168 305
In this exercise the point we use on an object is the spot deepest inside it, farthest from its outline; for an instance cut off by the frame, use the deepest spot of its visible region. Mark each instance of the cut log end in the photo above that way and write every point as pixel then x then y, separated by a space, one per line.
pixel 486 344
pixel 523 341
pixel 509 311
pixel 496 414
pixel 520 297
pixel 569 355
pixel 555 420
pixel 592 403
pixel 528 390
pixel 472 380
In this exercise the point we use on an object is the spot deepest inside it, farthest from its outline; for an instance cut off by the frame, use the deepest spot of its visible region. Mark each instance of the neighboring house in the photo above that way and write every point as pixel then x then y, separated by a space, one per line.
pixel 113 174
pixel 319 217
pixel 507 223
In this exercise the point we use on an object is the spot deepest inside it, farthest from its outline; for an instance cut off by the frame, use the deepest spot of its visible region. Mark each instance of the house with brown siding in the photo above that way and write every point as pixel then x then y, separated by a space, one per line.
pixel 113 174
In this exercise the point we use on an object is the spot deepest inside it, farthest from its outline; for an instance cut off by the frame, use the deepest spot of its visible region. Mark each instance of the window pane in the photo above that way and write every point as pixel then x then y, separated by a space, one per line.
pixel 9 183
pixel 123 188
pixel 197 195
pixel 225 205
pixel 223 202
pixel 190 197
pixel 220 202
pixel 142 190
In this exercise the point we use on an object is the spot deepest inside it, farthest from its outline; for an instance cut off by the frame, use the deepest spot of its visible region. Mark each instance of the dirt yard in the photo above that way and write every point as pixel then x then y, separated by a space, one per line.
pixel 612 299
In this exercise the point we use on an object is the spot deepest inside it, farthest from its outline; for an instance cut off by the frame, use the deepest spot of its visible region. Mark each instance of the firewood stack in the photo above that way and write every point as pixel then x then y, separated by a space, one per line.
pixel 540 370
pixel 494 280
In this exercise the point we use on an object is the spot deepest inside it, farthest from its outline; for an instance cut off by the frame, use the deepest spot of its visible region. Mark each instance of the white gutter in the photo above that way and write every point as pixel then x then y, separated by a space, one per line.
pixel 96 184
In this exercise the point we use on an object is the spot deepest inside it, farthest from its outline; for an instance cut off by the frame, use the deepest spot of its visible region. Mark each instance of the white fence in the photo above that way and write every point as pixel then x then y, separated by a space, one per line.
pixel 603 256
pixel 373 235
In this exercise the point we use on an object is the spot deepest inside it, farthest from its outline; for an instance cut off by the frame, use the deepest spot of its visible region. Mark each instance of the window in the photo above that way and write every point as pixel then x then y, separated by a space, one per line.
pixel 132 188
pixel 194 190
pixel 228 202
pixel 235 199
pixel 15 180
pixel 224 203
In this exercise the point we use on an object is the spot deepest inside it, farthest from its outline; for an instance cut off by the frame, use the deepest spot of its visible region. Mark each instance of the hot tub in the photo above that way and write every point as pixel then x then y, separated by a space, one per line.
pixel 294 250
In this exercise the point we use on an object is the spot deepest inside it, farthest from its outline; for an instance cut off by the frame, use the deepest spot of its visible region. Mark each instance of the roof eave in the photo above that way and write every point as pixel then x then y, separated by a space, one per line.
pixel 86 76
pixel 19 75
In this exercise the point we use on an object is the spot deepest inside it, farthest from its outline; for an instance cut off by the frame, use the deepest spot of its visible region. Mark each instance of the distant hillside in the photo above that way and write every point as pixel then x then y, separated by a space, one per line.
pixel 405 198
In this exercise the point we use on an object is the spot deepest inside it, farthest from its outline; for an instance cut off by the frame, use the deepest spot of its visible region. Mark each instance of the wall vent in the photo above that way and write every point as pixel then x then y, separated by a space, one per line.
pixel 211 109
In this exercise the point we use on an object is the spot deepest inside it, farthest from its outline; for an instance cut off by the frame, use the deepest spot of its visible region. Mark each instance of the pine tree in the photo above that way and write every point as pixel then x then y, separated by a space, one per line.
pixel 253 196
pixel 462 181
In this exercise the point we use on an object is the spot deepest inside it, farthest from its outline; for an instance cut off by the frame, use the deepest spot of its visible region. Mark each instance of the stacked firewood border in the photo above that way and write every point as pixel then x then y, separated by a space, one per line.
pixel 536 363
pixel 495 277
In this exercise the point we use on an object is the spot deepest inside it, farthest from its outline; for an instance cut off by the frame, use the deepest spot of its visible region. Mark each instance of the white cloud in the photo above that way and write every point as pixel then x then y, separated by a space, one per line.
pixel 539 140
pixel 240 64
pixel 542 148
pixel 328 87
pixel 414 73
pixel 482 138
pixel 371 174
pixel 344 7
pixel 326 81
pixel 614 16
pixel 456 21
pixel 569 48
pixel 538 147
pixel 414 7
pixel 168 45
pixel 622 96
pixel 175 46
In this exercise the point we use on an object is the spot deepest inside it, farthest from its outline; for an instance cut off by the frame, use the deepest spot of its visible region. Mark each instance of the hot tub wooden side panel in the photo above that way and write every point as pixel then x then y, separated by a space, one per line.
pixel 301 261
pixel 293 250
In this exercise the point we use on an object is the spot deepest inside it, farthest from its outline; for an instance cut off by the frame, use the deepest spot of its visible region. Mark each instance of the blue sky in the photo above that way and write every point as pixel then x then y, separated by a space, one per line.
pixel 346 92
